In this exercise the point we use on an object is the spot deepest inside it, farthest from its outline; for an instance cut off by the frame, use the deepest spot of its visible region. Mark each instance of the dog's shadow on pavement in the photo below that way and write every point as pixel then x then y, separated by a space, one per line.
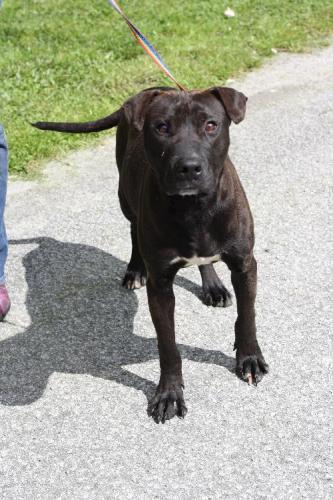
pixel 81 322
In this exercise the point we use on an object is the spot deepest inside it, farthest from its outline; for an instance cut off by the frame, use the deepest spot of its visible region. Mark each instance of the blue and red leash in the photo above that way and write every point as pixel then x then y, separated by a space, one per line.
pixel 146 45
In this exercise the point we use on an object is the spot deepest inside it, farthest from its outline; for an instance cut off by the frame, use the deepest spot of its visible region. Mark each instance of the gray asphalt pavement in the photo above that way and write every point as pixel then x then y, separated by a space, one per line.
pixel 78 354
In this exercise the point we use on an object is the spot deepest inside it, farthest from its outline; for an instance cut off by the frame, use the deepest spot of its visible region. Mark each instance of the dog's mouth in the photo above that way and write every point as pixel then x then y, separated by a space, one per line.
pixel 184 192
pixel 186 189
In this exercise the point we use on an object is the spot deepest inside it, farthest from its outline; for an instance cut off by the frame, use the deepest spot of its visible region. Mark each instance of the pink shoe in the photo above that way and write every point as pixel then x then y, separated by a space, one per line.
pixel 4 302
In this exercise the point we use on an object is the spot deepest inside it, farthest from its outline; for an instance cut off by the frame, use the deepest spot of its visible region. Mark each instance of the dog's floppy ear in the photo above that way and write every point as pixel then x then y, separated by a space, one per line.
pixel 234 102
pixel 136 107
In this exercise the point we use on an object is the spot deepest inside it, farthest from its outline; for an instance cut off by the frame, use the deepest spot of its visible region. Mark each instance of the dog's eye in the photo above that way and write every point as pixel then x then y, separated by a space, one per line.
pixel 163 128
pixel 210 126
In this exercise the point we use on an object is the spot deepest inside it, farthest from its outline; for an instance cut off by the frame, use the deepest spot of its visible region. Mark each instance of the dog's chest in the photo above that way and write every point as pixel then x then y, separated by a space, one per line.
pixel 196 260
pixel 197 248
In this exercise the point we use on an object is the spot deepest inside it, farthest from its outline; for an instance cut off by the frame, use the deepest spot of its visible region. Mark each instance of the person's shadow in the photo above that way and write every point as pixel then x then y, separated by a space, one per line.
pixel 81 322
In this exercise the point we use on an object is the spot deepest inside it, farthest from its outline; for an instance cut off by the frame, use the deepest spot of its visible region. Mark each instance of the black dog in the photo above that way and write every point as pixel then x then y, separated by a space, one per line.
pixel 186 206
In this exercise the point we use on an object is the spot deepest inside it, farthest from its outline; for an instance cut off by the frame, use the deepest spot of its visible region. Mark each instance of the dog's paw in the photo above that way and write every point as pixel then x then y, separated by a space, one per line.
pixel 134 280
pixel 167 402
pixel 251 368
pixel 216 296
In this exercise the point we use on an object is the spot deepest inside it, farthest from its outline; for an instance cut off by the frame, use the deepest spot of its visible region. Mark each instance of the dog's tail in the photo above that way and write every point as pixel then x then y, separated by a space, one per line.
pixel 84 127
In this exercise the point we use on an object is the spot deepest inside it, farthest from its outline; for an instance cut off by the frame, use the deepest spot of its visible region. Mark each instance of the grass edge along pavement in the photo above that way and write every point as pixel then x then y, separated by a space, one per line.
pixel 78 61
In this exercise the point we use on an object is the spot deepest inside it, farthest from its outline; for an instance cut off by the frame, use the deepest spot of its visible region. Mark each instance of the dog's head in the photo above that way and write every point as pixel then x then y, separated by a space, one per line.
pixel 186 134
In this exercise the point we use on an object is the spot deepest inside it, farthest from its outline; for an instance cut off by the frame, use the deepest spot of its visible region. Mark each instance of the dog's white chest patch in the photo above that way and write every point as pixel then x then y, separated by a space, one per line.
pixel 196 260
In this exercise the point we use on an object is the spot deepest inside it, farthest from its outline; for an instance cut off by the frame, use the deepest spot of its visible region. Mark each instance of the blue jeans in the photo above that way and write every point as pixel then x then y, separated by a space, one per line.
pixel 3 192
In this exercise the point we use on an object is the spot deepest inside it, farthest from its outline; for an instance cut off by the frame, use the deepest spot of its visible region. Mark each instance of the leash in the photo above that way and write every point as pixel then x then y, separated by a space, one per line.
pixel 146 45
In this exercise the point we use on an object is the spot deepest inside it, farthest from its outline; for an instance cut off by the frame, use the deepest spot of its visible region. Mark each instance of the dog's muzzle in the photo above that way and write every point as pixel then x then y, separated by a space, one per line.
pixel 186 178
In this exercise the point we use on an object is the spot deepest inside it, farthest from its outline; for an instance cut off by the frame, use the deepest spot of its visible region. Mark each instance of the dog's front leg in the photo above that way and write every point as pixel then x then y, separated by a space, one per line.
pixel 250 363
pixel 168 400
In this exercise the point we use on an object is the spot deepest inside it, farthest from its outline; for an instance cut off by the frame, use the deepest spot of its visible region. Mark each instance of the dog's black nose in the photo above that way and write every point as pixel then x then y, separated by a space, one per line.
pixel 189 170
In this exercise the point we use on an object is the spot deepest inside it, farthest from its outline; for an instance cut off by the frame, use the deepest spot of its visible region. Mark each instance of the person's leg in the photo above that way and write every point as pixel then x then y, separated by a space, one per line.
pixel 4 299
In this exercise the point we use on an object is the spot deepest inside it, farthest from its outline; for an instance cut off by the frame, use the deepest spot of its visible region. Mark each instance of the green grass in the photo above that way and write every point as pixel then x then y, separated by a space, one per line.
pixel 76 59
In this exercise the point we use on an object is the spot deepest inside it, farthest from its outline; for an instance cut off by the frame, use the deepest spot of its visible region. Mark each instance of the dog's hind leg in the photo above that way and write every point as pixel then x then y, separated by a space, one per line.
pixel 214 292
pixel 136 274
